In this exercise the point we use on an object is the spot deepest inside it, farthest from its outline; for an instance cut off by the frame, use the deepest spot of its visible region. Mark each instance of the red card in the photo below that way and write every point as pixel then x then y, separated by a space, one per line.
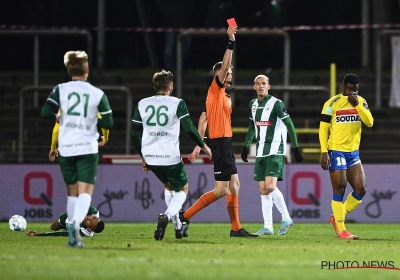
pixel 232 22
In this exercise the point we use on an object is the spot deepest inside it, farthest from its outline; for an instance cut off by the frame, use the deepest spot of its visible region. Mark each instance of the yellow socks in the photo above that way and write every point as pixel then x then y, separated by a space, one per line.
pixel 338 212
pixel 352 202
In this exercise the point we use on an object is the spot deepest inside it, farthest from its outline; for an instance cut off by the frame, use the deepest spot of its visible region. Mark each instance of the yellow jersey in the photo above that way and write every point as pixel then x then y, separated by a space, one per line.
pixel 341 124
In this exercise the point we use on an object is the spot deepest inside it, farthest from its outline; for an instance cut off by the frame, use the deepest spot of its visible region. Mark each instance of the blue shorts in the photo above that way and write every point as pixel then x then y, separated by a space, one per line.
pixel 343 160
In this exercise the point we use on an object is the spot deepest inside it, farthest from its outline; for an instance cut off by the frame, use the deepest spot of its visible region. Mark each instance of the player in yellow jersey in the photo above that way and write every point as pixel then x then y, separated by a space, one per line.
pixel 54 137
pixel 339 135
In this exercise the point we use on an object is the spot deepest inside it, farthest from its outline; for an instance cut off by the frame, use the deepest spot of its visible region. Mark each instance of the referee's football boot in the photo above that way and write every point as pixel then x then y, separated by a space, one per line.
pixel 161 226
pixel 179 233
pixel 242 233
pixel 185 224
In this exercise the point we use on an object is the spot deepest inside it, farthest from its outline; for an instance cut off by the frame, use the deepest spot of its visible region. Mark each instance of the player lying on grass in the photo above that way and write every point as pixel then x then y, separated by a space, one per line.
pixel 90 225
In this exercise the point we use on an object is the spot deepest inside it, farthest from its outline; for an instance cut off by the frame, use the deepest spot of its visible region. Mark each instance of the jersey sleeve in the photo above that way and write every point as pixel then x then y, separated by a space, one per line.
pixel 182 110
pixel 283 114
pixel 281 111
pixel 250 130
pixel 62 220
pixel 51 105
pixel 104 131
pixel 85 232
pixel 364 113
pixel 106 113
pixel 137 119
pixel 54 135
pixel 137 129
pixel 54 233
pixel 323 132
pixel 92 210
pixel 291 131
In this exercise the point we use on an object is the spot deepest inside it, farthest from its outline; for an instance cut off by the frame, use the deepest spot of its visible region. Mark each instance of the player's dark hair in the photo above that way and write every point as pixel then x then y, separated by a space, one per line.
pixel 100 226
pixel 350 78
pixel 162 79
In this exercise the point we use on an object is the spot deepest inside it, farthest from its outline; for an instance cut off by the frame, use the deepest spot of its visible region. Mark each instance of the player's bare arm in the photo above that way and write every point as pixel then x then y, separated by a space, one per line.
pixel 201 128
pixel 144 166
pixel 227 60
pixel 325 161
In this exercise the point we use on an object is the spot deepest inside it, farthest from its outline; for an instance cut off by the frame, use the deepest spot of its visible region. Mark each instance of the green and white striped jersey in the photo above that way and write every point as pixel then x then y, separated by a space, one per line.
pixel 270 131
pixel 63 221
pixel 160 117
pixel 79 103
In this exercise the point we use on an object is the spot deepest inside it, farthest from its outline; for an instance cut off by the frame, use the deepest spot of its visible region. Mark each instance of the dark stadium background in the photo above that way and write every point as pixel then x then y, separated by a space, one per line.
pixel 126 50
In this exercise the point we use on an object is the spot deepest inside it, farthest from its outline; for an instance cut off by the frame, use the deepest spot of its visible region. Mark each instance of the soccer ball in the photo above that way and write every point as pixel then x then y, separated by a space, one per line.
pixel 17 223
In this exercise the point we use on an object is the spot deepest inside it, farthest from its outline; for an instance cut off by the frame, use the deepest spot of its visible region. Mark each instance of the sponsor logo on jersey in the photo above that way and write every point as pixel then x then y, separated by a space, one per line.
pixel 329 110
pixel 263 123
pixel 347 116
pixel 78 126
pixel 160 133
pixel 333 101
pixel 157 156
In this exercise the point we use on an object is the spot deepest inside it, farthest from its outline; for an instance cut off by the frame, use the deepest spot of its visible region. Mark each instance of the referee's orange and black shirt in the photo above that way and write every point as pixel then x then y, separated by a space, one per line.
pixel 219 110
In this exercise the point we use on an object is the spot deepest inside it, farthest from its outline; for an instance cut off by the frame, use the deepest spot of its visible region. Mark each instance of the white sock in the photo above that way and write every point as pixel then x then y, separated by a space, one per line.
pixel 280 204
pixel 82 207
pixel 71 201
pixel 266 207
pixel 176 205
pixel 168 195
pixel 177 222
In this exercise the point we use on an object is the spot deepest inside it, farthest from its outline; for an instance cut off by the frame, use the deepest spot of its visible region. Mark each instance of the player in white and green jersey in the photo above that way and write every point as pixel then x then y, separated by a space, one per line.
pixel 155 133
pixel 90 225
pixel 269 123
pixel 79 103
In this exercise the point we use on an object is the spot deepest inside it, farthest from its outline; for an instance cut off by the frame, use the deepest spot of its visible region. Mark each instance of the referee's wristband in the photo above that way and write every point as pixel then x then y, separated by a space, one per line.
pixel 231 44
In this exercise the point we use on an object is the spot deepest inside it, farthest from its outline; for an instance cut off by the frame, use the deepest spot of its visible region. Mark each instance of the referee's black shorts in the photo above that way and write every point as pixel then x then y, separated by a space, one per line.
pixel 223 158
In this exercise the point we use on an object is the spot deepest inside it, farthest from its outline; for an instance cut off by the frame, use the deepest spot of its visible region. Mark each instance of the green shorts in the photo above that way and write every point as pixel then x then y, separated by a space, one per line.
pixel 79 168
pixel 272 166
pixel 175 174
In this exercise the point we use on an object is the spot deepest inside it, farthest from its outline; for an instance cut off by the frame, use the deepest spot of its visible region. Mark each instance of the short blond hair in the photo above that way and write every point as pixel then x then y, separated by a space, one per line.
pixel 261 76
pixel 162 79
pixel 76 62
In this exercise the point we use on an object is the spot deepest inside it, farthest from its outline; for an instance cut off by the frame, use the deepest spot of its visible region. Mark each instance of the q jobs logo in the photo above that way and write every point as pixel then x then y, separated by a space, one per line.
pixel 38 194
pixel 305 191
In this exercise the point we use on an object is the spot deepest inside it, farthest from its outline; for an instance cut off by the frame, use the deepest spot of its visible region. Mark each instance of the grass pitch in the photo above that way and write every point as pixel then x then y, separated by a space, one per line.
pixel 128 251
